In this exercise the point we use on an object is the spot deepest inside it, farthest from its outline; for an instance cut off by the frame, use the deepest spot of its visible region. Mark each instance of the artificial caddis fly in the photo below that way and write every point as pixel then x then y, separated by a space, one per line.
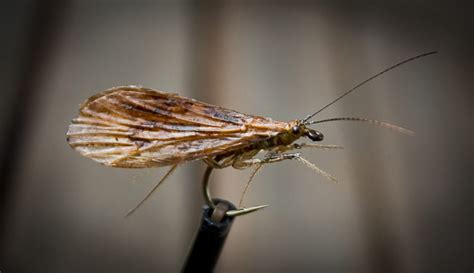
pixel 136 127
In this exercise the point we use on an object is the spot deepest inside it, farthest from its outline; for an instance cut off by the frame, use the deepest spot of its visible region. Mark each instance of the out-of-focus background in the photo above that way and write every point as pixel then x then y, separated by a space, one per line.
pixel 404 204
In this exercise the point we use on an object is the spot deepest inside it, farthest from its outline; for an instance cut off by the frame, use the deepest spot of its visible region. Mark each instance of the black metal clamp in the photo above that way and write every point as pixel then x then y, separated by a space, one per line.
pixel 210 238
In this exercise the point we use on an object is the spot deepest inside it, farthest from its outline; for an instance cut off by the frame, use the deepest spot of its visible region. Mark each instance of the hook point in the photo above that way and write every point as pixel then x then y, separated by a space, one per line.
pixel 243 211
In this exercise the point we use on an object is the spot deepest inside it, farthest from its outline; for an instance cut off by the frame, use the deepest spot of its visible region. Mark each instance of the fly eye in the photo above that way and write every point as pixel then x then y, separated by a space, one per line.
pixel 315 135
pixel 296 130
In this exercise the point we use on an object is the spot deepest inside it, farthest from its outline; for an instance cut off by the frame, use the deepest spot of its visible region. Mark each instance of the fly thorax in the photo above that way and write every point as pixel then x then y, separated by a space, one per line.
pixel 284 139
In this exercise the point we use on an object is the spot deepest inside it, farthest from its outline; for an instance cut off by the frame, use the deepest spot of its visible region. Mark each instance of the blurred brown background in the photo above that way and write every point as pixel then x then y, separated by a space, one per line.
pixel 404 204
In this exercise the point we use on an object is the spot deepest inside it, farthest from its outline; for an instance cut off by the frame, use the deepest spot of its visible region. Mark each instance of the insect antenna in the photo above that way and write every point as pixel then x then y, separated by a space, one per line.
pixel 305 120
pixel 370 121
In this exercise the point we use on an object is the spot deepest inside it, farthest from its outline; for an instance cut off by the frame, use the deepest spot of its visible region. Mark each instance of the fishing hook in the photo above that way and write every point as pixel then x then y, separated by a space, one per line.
pixel 208 199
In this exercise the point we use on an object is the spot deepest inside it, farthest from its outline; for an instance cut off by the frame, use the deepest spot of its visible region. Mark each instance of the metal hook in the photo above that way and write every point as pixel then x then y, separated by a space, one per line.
pixel 210 203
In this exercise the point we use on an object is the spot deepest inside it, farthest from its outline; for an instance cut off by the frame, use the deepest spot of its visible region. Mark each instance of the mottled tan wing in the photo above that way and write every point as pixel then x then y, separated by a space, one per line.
pixel 135 127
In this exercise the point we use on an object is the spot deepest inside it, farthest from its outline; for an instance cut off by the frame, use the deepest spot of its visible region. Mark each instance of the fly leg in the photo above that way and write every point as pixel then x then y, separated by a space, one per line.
pixel 297 146
pixel 271 157
pixel 171 170
pixel 313 145
pixel 274 157
pixel 221 162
